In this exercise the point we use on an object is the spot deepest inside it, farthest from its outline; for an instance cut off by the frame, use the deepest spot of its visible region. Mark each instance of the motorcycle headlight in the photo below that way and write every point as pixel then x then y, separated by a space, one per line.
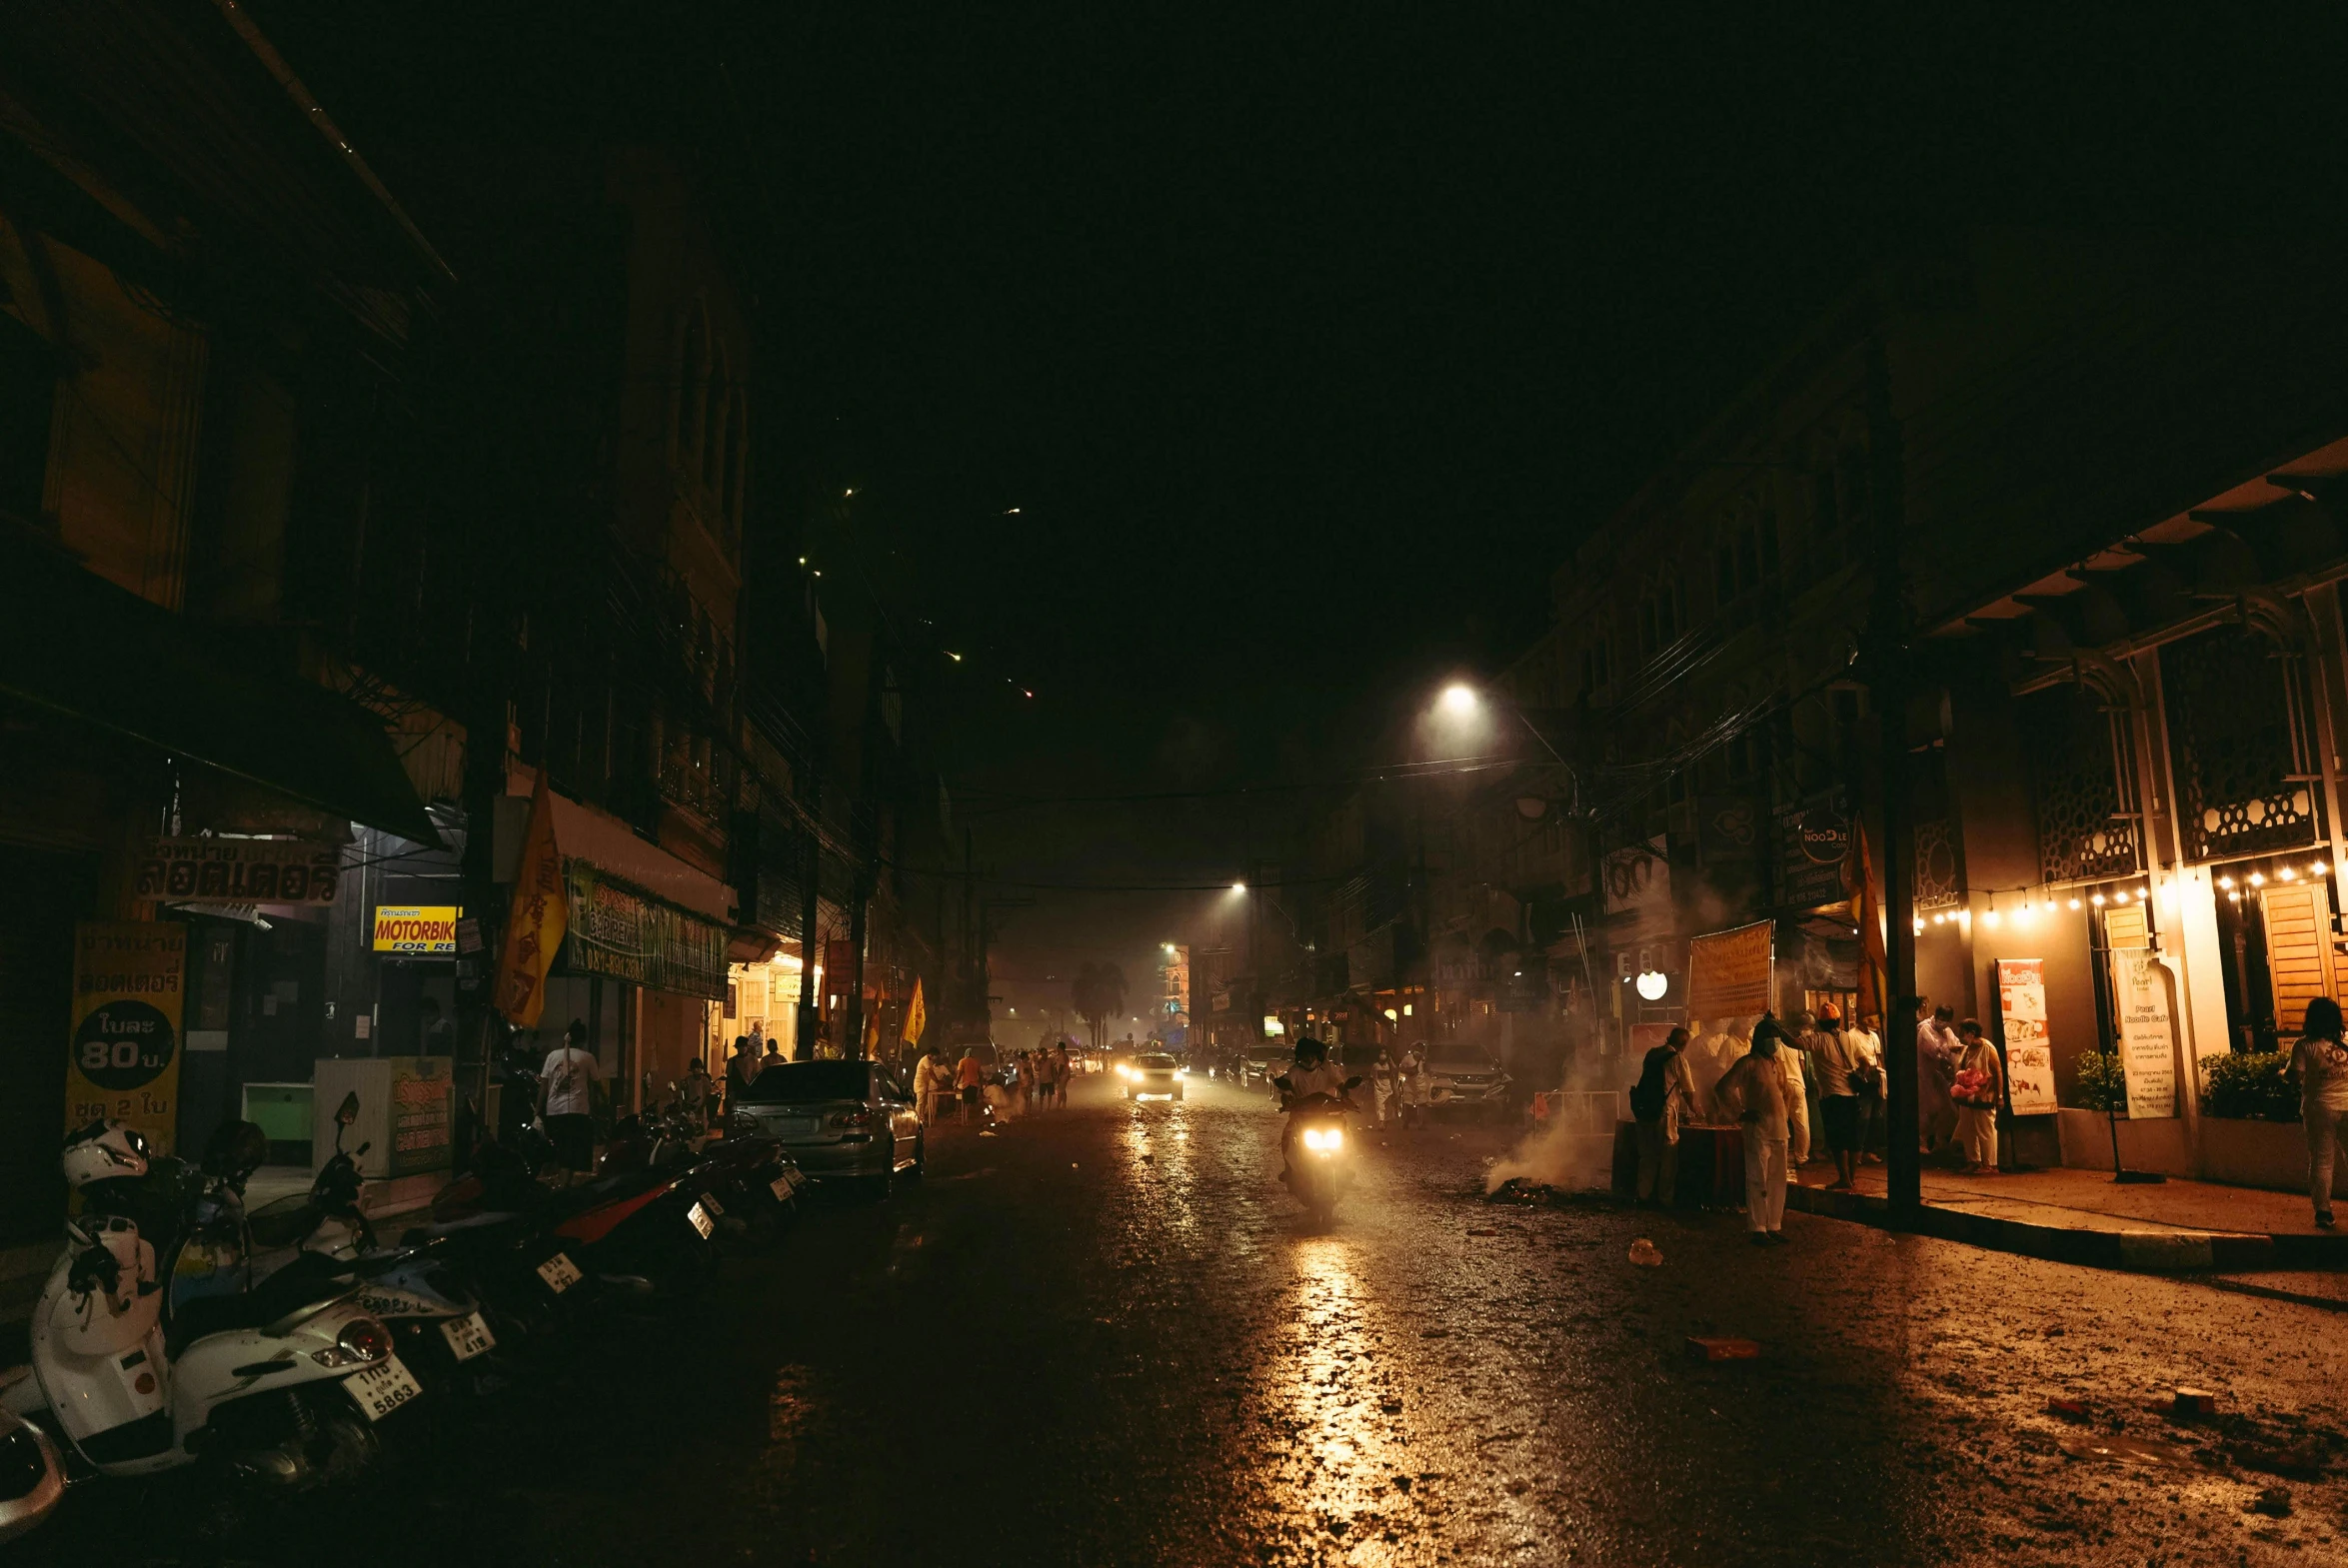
pixel 1325 1139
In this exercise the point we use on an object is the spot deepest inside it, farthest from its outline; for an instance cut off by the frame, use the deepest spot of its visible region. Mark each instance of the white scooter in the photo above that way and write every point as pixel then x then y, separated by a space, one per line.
pixel 280 1385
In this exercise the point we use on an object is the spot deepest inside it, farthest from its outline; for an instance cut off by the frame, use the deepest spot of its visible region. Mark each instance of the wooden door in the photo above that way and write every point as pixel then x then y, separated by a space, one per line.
pixel 2298 950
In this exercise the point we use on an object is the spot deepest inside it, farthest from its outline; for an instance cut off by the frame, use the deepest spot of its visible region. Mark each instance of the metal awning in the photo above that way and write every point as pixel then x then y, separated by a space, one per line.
pixel 75 643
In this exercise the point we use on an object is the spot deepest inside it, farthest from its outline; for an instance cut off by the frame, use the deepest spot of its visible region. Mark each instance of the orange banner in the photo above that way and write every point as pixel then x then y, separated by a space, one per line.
pixel 1728 974
pixel 535 923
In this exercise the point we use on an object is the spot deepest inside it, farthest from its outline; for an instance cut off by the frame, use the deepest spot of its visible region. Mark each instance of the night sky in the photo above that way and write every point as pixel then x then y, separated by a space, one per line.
pixel 1306 342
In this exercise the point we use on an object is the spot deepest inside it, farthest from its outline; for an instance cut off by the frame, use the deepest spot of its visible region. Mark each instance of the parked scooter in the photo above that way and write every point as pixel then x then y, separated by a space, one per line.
pixel 1317 1145
pixel 424 1298
pixel 282 1384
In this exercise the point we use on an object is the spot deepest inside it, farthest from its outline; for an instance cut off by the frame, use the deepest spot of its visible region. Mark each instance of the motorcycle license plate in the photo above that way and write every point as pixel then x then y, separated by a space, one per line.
pixel 783 1188
pixel 701 1220
pixel 383 1388
pixel 717 1211
pixel 468 1336
pixel 558 1273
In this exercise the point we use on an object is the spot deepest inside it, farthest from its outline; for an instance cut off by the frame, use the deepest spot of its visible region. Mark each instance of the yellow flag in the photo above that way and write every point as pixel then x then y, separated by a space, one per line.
pixel 535 923
pixel 917 1016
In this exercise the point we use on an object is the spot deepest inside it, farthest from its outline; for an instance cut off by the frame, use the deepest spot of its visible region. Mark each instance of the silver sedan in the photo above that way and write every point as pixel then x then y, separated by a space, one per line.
pixel 844 1120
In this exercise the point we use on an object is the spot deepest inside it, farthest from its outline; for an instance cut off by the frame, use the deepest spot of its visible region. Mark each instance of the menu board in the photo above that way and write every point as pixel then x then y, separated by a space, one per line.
pixel 2148 1056
pixel 2029 1053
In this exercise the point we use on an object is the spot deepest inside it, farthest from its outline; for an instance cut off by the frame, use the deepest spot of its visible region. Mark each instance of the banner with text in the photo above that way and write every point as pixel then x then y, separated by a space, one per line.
pixel 240 871
pixel 128 991
pixel 2148 1053
pixel 2029 1053
pixel 1728 974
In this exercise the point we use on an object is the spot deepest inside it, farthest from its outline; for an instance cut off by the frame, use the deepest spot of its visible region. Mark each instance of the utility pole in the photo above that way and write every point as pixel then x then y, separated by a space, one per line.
pixel 1889 656
pixel 865 824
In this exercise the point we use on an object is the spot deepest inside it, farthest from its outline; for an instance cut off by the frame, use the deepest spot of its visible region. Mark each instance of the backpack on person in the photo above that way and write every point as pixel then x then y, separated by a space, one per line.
pixel 1649 1093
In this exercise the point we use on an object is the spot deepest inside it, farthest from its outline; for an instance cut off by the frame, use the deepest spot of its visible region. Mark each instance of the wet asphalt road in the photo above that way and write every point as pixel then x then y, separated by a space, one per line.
pixel 1107 1337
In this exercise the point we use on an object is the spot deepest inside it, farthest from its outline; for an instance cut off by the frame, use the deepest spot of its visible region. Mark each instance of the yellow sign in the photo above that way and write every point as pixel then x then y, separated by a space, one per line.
pixel 426 932
pixel 123 1062
pixel 536 921
pixel 917 1016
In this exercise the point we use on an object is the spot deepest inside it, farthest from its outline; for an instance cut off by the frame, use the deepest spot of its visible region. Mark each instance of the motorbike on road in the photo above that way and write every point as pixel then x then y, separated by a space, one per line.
pixel 1318 1147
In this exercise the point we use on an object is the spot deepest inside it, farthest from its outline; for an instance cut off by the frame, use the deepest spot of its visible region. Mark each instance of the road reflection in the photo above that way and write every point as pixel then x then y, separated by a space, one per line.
pixel 1344 1471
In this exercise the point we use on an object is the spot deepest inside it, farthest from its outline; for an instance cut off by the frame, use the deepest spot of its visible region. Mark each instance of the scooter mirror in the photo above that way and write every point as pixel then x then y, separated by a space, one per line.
pixel 347 1112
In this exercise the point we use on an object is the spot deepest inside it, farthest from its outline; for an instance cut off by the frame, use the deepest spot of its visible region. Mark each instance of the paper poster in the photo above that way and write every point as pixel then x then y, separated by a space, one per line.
pixel 2029 1053
pixel 123 1062
pixel 1728 974
pixel 2148 1059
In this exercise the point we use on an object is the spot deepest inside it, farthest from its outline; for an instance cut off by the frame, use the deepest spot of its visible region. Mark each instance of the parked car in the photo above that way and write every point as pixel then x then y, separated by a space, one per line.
pixel 1152 1072
pixel 838 1121
pixel 1467 1078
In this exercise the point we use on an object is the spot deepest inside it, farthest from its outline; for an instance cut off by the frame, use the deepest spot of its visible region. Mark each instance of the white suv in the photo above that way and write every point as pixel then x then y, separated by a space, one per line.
pixel 1466 1077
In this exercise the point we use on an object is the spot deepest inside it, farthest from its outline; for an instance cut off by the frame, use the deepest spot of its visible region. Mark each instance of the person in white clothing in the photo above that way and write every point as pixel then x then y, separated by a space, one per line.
pixel 2321 1062
pixel 566 1098
pixel 1709 1054
pixel 1797 1111
pixel 1762 1096
pixel 1866 1050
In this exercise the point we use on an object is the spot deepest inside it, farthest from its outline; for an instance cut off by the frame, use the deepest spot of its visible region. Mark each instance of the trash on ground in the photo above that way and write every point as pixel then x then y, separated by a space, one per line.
pixel 2274 1502
pixel 2193 1403
pixel 2068 1409
pixel 1481 1230
pixel 2123 1450
pixel 1721 1347
pixel 1647 1254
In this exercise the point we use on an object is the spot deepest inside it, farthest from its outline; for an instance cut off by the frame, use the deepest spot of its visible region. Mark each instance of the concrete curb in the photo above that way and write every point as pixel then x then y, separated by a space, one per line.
pixel 2134 1251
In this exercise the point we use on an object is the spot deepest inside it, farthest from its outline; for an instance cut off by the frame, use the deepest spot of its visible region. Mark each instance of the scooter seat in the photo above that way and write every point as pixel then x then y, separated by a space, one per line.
pixel 297 1286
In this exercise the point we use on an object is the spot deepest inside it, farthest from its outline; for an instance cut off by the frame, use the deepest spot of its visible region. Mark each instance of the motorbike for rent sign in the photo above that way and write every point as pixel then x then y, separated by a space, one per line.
pixel 422 932
pixel 129 990
pixel 2029 1053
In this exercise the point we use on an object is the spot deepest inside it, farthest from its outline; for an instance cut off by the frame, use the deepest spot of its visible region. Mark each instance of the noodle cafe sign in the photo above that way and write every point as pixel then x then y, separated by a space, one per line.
pixel 425 932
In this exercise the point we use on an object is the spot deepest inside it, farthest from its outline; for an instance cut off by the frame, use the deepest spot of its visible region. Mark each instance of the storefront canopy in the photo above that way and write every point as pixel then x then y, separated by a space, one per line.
pixel 76 643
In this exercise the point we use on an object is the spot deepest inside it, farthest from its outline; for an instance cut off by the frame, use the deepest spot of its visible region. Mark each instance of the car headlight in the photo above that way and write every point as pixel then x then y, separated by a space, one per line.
pixel 1181 1072
pixel 1124 1071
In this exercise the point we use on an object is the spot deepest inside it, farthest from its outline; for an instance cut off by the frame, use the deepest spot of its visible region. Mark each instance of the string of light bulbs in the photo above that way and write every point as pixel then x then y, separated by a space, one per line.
pixel 2031 901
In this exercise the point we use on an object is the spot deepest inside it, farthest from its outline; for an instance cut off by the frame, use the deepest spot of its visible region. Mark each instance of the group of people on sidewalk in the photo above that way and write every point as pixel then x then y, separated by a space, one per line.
pixel 1038 1078
pixel 1779 1083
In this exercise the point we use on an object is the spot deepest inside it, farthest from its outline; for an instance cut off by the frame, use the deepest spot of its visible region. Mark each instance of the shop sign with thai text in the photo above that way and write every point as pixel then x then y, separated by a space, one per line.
pixel 2029 1051
pixel 122 1063
pixel 618 931
pixel 240 871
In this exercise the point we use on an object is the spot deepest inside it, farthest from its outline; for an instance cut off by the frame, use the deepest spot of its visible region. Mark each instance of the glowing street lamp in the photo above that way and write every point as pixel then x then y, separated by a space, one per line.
pixel 1459 700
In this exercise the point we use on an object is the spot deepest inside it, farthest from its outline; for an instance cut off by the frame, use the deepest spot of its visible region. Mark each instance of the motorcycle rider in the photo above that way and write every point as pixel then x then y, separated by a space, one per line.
pixel 1311 1074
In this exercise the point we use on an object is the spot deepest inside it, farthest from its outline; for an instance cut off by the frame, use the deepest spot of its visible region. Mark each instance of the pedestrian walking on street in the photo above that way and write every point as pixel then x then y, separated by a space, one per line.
pixel 2321 1062
pixel 970 1077
pixel 1797 1109
pixel 566 1098
pixel 1663 1097
pixel 926 1089
pixel 1060 1073
pixel 1980 1078
pixel 1383 1075
pixel 741 1068
pixel 1935 1070
pixel 1834 1068
pixel 696 1094
pixel 1807 1042
pixel 1411 1086
pixel 1763 1096
pixel 1866 1051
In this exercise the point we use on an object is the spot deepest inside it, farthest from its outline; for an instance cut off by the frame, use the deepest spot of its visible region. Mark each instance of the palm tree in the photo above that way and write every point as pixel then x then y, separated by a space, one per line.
pixel 1099 995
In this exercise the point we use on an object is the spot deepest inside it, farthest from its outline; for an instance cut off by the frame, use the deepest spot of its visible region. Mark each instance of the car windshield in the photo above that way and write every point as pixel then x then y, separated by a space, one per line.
pixel 796 1082
pixel 1474 1063
pixel 1157 1064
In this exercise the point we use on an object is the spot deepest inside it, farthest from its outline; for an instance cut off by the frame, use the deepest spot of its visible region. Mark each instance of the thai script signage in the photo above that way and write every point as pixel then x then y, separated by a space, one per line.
pixel 2030 1052
pixel 240 871
pixel 422 932
pixel 122 1063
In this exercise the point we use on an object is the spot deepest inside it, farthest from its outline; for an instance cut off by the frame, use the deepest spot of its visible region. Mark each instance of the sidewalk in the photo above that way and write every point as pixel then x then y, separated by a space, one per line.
pixel 2083 1216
